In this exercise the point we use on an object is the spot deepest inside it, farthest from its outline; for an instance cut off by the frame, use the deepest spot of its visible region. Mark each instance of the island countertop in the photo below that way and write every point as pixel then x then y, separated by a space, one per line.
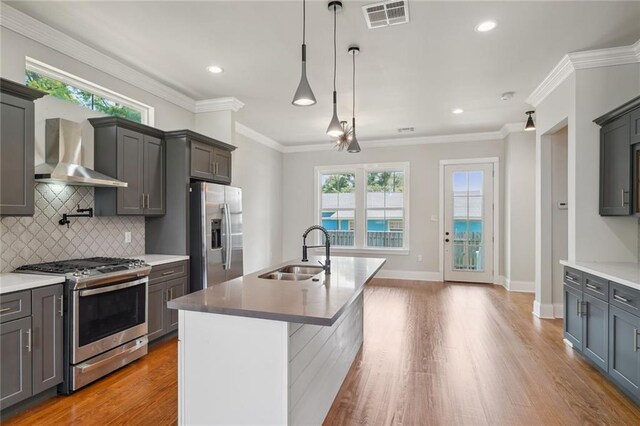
pixel 306 302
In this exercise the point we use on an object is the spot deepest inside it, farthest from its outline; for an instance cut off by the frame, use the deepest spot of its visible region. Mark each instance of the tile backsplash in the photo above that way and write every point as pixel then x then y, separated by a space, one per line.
pixel 25 239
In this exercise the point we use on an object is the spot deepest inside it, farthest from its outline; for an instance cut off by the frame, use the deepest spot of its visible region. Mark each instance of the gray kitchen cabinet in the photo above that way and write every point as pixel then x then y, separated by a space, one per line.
pixel 133 153
pixel 573 322
pixel 17 148
pixel 595 342
pixel 47 323
pixel 222 166
pixel 615 168
pixel 166 282
pixel 15 368
pixel 624 359
pixel 620 129
pixel 202 162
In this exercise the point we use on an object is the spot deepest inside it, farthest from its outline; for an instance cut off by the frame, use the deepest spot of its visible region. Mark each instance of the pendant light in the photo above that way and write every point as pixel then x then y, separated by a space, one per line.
pixel 530 126
pixel 354 146
pixel 335 129
pixel 304 95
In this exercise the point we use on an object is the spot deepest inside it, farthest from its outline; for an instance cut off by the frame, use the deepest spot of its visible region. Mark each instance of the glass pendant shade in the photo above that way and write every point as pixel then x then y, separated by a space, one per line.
pixel 354 146
pixel 335 129
pixel 530 126
pixel 304 95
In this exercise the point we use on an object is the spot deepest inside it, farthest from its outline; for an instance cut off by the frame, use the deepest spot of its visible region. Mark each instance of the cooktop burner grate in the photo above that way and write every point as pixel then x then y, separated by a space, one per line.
pixel 71 265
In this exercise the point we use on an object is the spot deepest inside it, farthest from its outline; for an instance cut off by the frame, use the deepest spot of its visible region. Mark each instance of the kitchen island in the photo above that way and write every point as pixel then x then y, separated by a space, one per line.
pixel 266 351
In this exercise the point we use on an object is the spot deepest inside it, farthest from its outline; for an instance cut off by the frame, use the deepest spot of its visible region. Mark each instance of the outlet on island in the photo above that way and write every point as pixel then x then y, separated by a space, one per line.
pixel 127 237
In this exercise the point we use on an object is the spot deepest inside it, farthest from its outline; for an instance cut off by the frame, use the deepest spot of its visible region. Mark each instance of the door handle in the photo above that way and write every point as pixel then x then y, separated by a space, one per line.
pixel 620 298
pixel 148 200
pixel 142 200
pixel 29 340
pixel 624 203
pixel 635 340
pixel 3 310
pixel 591 286
pixel 61 311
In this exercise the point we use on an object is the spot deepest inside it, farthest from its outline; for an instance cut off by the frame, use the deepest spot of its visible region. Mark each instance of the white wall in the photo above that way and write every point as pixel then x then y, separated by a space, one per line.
pixel 519 211
pixel 298 201
pixel 559 145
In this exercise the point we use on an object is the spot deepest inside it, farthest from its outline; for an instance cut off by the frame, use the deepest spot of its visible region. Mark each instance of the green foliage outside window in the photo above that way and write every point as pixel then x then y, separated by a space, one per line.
pixel 80 97
pixel 338 183
pixel 385 182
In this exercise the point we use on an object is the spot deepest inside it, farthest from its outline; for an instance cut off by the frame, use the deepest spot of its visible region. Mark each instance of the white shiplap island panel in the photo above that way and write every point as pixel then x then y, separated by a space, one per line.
pixel 252 370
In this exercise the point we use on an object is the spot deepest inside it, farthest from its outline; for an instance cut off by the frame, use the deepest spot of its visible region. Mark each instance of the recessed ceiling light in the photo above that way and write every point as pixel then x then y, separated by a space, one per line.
pixel 214 69
pixel 483 27
pixel 458 111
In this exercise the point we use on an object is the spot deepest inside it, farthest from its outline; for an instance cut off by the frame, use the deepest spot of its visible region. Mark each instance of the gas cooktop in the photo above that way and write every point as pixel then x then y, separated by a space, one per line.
pixel 83 266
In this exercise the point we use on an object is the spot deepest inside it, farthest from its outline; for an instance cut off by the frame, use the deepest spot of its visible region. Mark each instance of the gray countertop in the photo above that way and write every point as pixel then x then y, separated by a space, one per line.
pixel 625 273
pixel 306 302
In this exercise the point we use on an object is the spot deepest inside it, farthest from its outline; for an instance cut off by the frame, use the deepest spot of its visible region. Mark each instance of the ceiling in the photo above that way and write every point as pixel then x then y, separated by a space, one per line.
pixel 409 75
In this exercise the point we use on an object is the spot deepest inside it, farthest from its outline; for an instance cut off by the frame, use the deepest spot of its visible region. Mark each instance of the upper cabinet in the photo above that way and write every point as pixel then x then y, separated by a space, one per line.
pixel 209 159
pixel 17 148
pixel 133 153
pixel 619 184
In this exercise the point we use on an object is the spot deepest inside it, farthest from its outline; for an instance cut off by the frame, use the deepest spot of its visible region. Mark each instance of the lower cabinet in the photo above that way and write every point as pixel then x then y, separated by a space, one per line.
pixel 573 316
pixel 624 361
pixel 168 282
pixel 595 342
pixel 31 347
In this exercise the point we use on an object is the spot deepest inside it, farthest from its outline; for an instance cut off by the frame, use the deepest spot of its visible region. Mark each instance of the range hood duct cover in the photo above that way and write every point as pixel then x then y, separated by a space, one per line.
pixel 63 158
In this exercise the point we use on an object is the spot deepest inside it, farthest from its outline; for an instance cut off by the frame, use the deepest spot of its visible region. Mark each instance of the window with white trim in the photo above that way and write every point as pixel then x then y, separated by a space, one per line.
pixel 365 206
pixel 63 85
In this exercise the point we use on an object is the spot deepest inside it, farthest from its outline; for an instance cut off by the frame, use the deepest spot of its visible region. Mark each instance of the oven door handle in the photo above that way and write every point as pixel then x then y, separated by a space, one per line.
pixel 86 367
pixel 110 288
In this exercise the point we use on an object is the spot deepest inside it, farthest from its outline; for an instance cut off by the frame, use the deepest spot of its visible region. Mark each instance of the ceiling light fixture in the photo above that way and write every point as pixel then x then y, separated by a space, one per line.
pixel 354 146
pixel 530 126
pixel 457 111
pixel 304 95
pixel 343 140
pixel 335 128
pixel 483 27
pixel 214 69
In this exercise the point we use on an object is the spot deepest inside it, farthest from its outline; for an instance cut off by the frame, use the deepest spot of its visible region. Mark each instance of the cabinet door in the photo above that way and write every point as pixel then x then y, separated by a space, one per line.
pixel 156 310
pixel 222 165
pixel 624 355
pixel 130 170
pixel 573 316
pixel 202 160
pixel 16 156
pixel 154 176
pixel 15 368
pixel 47 321
pixel 175 289
pixel 615 168
pixel 595 343
pixel 635 126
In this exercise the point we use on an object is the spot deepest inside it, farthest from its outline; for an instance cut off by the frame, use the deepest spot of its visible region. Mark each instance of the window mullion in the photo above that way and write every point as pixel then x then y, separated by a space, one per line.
pixel 361 222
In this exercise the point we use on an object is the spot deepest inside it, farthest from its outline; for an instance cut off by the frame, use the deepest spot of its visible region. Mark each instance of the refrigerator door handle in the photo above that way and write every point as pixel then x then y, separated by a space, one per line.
pixel 227 214
pixel 225 228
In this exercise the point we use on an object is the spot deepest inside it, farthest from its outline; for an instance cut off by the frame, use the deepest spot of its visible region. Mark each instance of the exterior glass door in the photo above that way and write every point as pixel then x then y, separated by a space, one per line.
pixel 468 226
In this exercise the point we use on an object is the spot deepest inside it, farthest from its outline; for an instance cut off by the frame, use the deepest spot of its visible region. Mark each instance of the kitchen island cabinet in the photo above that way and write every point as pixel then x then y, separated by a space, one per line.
pixel 262 351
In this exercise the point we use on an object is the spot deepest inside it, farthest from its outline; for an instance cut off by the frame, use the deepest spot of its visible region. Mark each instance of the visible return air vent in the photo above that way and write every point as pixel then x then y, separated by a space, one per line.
pixel 386 13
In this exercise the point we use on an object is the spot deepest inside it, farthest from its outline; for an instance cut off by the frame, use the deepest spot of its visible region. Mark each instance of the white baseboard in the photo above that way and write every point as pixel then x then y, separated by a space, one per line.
pixel 520 286
pixel 499 280
pixel 543 310
pixel 410 275
pixel 558 310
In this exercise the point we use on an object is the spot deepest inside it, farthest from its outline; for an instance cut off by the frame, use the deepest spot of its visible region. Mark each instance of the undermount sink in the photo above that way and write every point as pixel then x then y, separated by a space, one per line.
pixel 292 273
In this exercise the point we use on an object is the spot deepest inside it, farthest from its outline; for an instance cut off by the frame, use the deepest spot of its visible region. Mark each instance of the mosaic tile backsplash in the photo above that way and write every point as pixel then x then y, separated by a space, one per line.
pixel 40 238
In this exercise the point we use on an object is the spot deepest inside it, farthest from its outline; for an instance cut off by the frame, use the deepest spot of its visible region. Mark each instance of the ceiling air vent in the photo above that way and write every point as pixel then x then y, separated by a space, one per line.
pixel 386 13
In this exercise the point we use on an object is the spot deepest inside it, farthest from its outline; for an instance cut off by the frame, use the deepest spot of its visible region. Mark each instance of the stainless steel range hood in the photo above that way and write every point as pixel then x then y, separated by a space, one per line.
pixel 63 158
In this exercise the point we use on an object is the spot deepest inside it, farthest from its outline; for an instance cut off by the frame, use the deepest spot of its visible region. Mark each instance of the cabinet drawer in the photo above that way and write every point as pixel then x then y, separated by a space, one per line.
pixel 15 305
pixel 596 287
pixel 624 297
pixel 168 271
pixel 573 278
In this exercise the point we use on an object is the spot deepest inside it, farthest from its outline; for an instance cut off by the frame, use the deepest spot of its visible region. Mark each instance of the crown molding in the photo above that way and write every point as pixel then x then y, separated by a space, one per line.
pixel 42 33
pixel 219 104
pixel 583 60
pixel 420 140
pixel 259 137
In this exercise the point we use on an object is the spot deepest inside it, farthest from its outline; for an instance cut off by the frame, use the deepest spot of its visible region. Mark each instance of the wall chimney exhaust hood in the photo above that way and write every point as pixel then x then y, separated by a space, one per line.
pixel 63 158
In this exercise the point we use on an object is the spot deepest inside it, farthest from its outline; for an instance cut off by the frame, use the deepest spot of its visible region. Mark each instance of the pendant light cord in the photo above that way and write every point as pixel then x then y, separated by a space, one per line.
pixel 354 83
pixel 304 22
pixel 335 57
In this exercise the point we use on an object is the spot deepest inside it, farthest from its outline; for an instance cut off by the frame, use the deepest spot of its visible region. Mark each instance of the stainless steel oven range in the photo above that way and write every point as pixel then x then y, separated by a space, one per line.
pixel 105 315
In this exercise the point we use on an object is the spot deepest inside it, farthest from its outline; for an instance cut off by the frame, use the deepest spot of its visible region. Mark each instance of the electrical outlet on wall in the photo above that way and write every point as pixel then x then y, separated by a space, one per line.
pixel 419 258
pixel 127 237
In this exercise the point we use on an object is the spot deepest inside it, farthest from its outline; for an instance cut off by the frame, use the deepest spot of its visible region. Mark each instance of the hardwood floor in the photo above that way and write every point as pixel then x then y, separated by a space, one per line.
pixel 433 353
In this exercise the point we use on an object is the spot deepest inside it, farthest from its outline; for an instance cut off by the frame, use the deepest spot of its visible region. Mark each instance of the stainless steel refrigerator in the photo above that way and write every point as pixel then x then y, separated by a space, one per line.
pixel 216 234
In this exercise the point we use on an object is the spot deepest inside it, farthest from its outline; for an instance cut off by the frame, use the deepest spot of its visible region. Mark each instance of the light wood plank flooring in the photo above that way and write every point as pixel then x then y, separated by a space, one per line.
pixel 433 353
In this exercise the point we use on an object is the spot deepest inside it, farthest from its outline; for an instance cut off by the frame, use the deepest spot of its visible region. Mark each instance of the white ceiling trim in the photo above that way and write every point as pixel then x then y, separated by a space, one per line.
pixel 219 104
pixel 583 60
pixel 29 27
pixel 259 137
pixel 421 140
